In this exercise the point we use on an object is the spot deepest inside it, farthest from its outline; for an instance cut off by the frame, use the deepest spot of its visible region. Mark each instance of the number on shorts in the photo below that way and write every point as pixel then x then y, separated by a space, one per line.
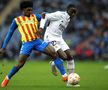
pixel 53 43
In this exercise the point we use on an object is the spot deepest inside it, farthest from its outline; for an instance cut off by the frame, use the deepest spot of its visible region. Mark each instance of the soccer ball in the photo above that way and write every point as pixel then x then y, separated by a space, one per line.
pixel 73 78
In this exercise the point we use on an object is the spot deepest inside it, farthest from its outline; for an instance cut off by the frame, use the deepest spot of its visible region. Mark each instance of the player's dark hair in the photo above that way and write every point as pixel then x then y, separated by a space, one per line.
pixel 71 6
pixel 25 4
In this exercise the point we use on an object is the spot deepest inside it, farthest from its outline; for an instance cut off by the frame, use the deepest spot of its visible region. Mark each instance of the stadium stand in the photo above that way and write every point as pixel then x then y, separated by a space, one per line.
pixel 3 3
pixel 88 30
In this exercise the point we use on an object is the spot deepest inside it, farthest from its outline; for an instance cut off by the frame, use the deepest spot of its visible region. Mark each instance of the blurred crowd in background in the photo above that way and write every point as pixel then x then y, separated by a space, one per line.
pixel 87 33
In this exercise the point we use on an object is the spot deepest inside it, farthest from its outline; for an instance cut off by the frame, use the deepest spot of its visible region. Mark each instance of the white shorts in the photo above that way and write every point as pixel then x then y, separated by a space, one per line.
pixel 56 41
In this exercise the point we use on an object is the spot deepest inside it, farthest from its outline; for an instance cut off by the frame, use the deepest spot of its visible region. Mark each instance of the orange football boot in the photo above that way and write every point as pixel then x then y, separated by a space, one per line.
pixel 5 82
pixel 65 79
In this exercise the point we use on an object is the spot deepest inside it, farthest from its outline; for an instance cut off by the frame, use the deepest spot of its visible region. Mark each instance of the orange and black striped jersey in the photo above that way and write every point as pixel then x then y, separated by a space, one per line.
pixel 28 27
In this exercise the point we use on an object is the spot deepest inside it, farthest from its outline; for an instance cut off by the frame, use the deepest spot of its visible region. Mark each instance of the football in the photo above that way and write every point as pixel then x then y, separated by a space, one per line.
pixel 73 78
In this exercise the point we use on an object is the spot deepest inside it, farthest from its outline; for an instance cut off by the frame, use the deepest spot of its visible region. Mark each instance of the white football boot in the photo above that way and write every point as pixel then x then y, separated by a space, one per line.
pixel 53 68
pixel 70 85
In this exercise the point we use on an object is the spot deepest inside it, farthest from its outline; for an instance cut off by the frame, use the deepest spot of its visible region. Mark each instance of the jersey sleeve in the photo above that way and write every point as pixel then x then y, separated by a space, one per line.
pixel 53 16
pixel 12 28
pixel 38 16
pixel 50 17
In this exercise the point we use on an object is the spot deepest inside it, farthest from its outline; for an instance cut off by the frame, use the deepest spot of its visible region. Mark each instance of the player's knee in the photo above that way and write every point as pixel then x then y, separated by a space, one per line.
pixel 69 55
pixel 64 57
pixel 53 53
pixel 20 64
pixel 50 50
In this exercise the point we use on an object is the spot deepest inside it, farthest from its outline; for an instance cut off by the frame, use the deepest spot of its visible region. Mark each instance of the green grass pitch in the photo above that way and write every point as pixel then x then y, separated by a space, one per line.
pixel 36 75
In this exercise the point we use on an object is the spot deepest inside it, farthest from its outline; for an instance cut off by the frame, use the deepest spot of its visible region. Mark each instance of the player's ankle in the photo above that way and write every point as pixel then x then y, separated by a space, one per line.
pixel 7 77
pixel 65 77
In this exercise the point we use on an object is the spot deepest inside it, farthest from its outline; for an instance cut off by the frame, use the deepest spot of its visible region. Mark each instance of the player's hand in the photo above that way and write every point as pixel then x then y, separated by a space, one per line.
pixel 43 15
pixel 2 51
pixel 39 32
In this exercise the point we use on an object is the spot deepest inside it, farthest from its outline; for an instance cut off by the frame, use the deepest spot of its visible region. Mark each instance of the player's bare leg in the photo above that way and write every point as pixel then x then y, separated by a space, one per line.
pixel 49 50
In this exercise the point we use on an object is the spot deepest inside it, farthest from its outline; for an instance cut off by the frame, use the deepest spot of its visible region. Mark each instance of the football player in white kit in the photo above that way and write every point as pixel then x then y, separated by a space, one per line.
pixel 58 22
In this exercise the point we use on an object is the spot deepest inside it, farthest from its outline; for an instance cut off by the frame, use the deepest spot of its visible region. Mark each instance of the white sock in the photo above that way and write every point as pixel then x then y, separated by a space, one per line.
pixel 52 63
pixel 65 75
pixel 70 66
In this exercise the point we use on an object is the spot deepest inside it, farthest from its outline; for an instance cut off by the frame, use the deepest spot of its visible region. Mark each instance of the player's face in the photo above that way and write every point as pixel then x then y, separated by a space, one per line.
pixel 72 12
pixel 27 11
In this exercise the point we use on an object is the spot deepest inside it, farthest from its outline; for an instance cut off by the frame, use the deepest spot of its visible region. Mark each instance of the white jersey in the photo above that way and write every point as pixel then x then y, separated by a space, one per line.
pixel 53 34
pixel 58 22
